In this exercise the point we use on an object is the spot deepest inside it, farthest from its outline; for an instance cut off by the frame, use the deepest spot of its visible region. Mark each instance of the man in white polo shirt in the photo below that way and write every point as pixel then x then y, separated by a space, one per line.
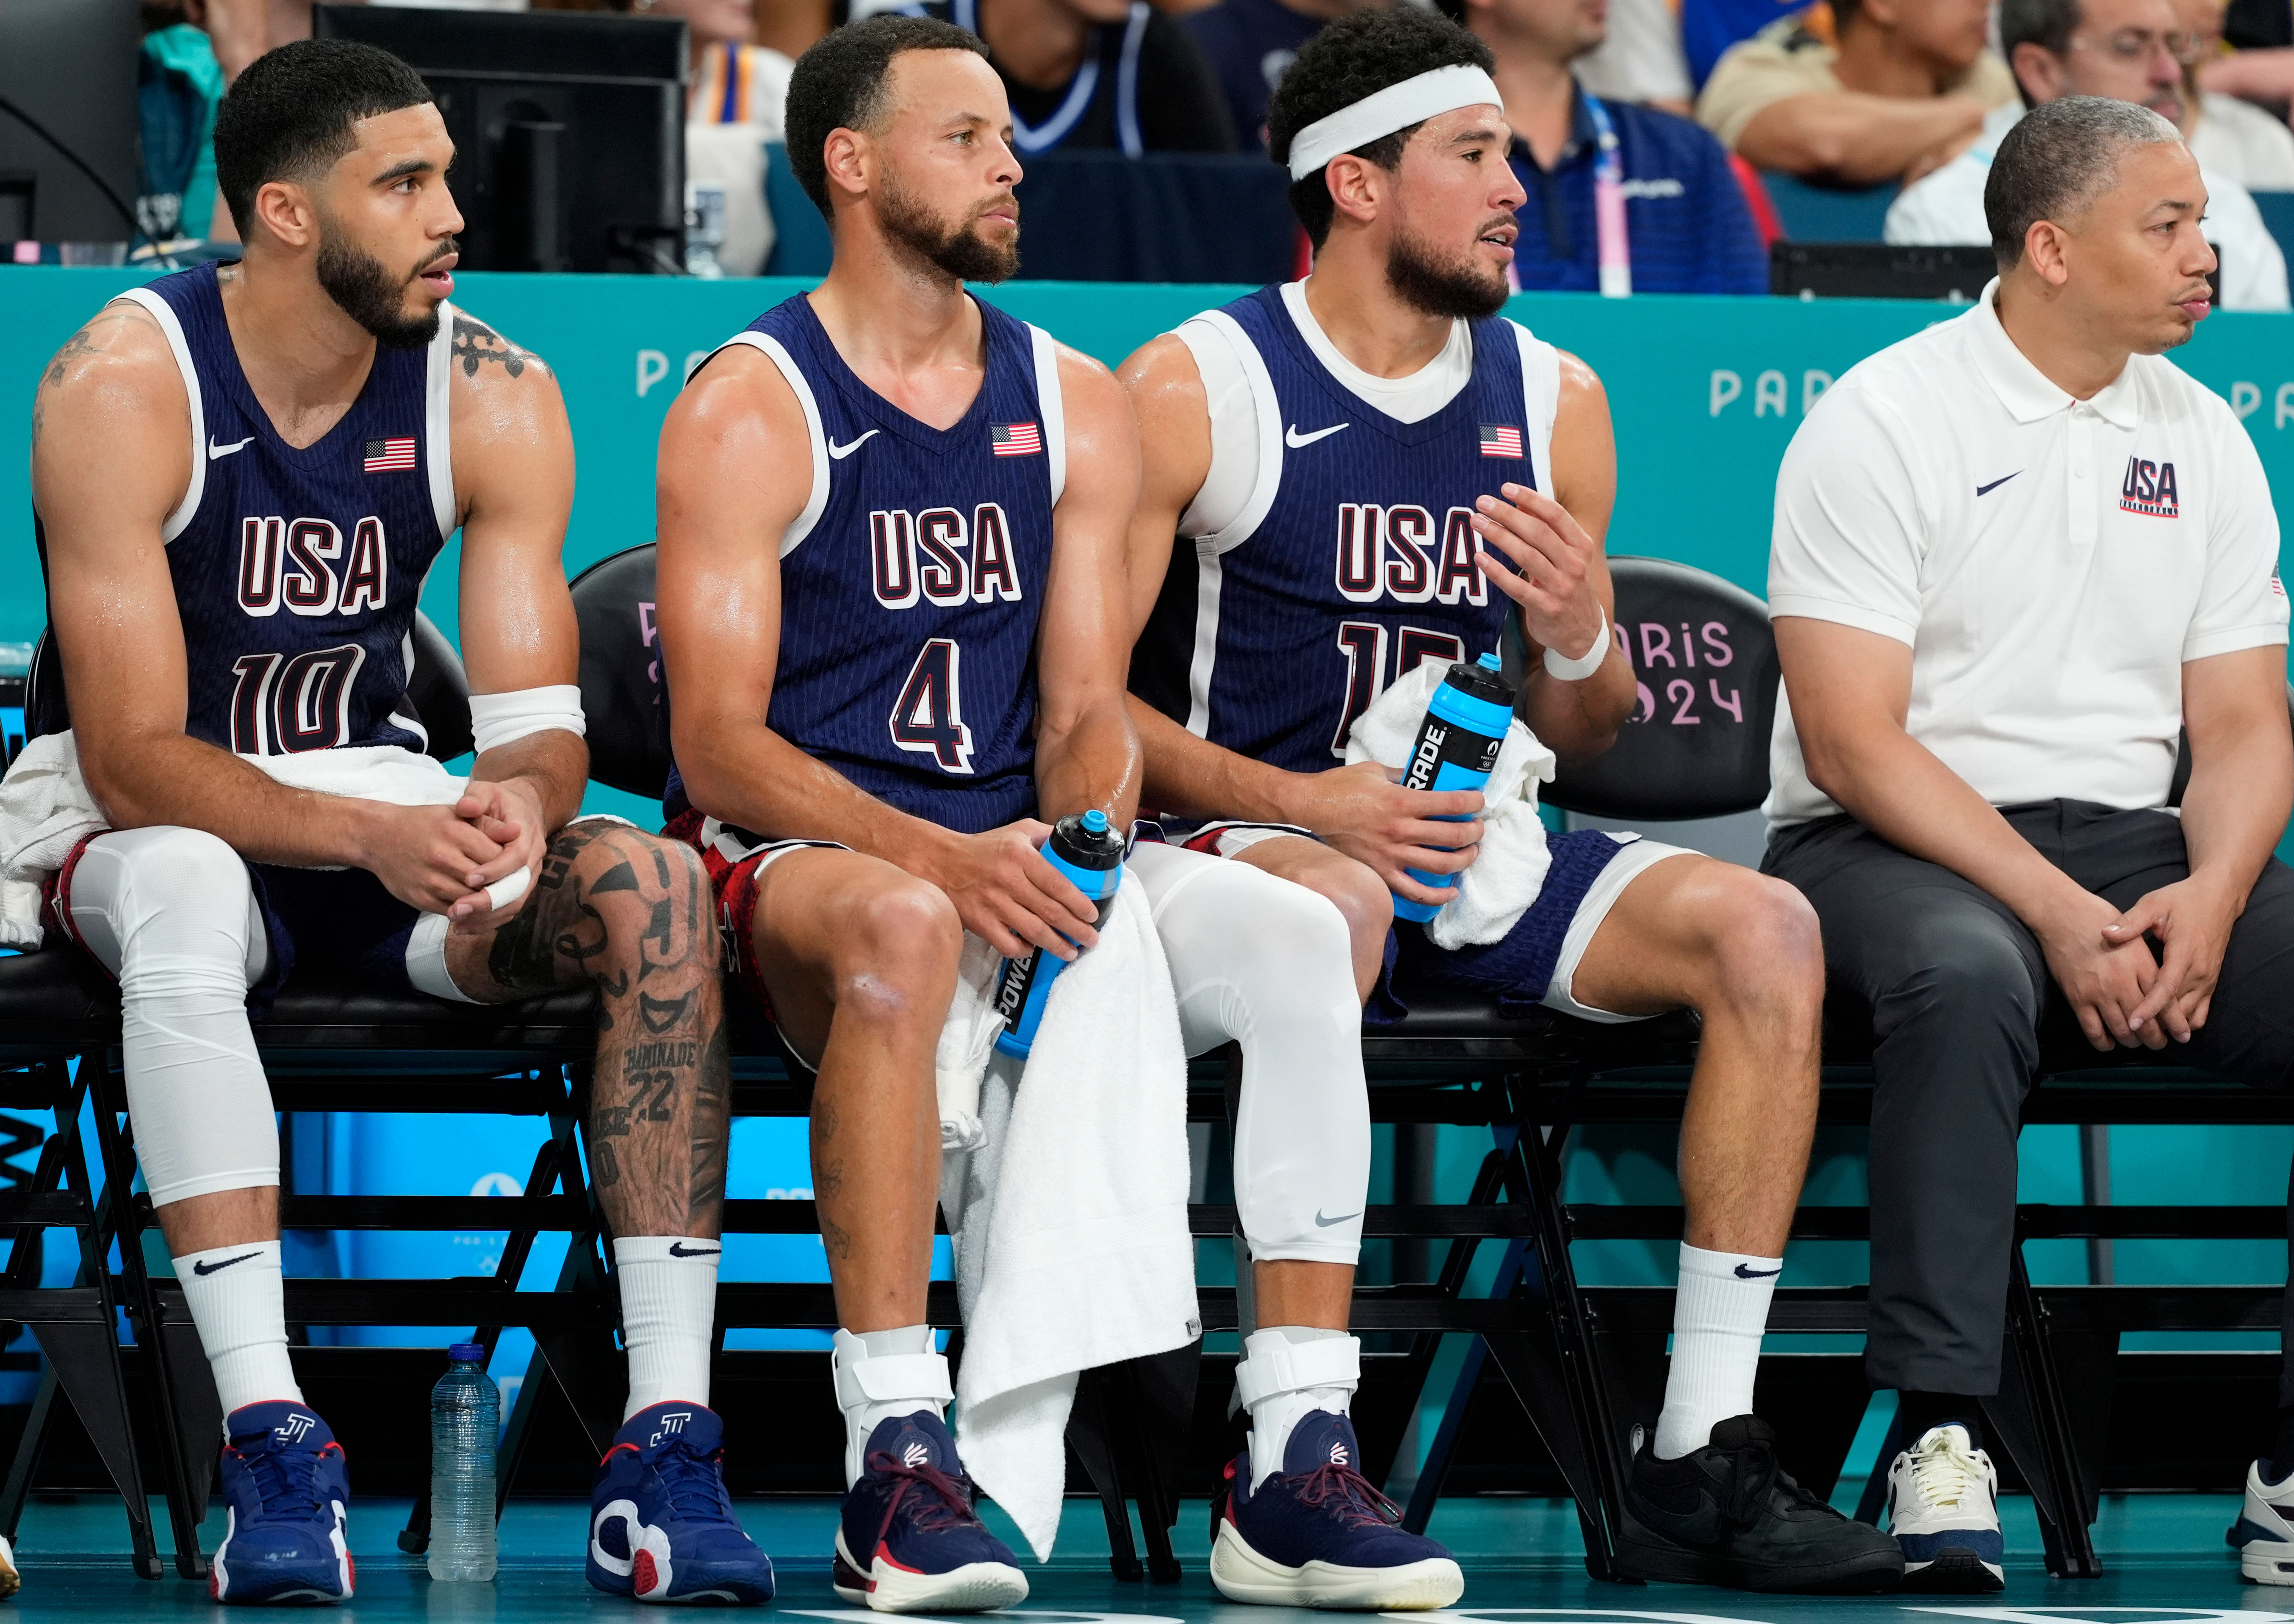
pixel 2129 49
pixel 2014 556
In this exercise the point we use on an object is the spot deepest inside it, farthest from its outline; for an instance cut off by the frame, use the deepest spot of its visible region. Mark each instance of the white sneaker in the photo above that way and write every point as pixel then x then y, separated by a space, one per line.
pixel 2264 1531
pixel 1943 1507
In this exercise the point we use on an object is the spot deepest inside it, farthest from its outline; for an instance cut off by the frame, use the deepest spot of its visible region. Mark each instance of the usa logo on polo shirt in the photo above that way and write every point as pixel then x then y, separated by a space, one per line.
pixel 2149 488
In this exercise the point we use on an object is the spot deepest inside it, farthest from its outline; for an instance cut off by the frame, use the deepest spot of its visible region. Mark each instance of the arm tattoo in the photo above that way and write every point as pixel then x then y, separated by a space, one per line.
pixel 476 343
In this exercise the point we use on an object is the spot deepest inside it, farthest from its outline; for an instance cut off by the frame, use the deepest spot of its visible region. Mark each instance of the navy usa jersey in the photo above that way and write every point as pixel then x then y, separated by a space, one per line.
pixel 298 570
pixel 1353 560
pixel 912 581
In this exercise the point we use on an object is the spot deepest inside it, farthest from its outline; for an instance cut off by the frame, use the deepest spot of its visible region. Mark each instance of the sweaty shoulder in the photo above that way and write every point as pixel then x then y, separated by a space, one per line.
pixel 489 369
pixel 111 422
pixel 739 383
pixel 119 362
pixel 1579 381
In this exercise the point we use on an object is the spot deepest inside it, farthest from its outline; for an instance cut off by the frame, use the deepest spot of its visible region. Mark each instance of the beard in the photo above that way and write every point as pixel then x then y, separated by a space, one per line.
pixel 1447 288
pixel 370 296
pixel 955 250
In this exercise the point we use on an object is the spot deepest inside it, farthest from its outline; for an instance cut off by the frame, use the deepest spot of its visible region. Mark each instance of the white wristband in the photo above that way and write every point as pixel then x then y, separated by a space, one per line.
pixel 1585 664
pixel 497 719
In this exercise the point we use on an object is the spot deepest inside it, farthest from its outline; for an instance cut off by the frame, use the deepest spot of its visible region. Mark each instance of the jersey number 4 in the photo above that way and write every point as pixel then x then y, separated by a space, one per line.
pixel 928 718
pixel 283 704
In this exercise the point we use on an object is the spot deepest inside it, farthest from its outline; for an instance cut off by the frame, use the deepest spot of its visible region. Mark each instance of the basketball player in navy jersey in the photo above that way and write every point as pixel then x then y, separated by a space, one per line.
pixel 893 532
pixel 241 475
pixel 1367 469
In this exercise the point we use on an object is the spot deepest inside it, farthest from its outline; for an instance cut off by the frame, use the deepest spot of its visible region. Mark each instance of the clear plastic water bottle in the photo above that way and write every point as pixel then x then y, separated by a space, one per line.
pixel 465 1424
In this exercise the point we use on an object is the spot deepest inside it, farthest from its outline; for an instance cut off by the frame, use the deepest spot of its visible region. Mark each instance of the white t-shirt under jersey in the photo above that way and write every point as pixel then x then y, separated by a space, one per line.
pixel 2051 563
pixel 1234 467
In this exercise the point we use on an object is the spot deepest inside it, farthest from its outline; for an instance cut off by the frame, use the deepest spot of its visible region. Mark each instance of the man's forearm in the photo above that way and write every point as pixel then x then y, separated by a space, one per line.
pixel 1852 136
pixel 172 779
pixel 1896 787
pixel 554 762
pixel 2234 811
pixel 1578 720
pixel 752 776
pixel 1092 762
pixel 1193 777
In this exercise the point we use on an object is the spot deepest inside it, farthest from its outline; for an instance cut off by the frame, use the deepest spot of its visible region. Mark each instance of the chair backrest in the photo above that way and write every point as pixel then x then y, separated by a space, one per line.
pixel 437 686
pixel 623 697
pixel 1697 743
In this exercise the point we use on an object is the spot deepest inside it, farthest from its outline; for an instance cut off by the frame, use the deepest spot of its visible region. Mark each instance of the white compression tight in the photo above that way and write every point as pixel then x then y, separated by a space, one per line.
pixel 172 913
pixel 1268 964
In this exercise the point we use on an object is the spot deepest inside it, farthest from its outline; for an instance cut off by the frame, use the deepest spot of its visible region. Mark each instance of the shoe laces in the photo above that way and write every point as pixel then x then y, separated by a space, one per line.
pixel 1942 1472
pixel 693 1481
pixel 285 1481
pixel 1353 1497
pixel 941 1504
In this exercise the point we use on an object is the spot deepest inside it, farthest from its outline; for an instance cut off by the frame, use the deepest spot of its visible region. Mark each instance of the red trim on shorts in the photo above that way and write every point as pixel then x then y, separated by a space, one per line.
pixel 735 887
pixel 55 901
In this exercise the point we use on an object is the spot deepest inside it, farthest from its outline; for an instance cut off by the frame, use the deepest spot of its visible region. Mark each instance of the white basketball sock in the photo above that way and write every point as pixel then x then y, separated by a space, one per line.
pixel 1718 1319
pixel 880 1375
pixel 1287 1372
pixel 668 1316
pixel 238 1300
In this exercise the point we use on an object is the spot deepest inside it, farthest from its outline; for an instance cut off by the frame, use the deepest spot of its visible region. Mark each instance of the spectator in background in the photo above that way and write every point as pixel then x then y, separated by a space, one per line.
pixel 2231 138
pixel 1687 228
pixel 1251 44
pixel 1904 90
pixel 1641 60
pixel 179 86
pixel 1091 74
pixel 2129 50
pixel 732 110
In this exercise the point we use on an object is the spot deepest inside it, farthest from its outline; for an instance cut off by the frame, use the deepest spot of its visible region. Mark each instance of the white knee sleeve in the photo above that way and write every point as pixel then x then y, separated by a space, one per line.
pixel 1269 965
pixel 172 914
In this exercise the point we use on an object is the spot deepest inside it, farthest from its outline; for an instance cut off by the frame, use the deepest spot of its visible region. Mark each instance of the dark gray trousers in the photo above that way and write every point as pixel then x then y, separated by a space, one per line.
pixel 1958 989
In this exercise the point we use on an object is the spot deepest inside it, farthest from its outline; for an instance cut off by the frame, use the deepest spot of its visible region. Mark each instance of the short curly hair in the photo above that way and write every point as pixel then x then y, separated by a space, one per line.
pixel 839 85
pixel 1359 55
pixel 291 115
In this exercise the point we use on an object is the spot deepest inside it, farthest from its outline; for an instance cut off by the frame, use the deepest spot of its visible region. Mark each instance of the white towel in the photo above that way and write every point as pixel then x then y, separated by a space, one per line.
pixel 1510 869
pixel 1071 1220
pixel 966 1039
pixel 45 807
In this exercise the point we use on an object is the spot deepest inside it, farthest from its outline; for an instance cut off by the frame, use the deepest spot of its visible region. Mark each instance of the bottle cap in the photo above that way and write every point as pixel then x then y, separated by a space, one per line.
pixel 1095 820
pixel 467 1353
pixel 1490 663
pixel 1485 679
pixel 1087 840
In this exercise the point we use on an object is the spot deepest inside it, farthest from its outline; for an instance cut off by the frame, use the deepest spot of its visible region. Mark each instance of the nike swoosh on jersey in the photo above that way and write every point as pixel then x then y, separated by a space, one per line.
pixel 1295 441
pixel 1322 1222
pixel 678 1249
pixel 227 1263
pixel 214 451
pixel 1744 1273
pixel 838 453
pixel 1995 484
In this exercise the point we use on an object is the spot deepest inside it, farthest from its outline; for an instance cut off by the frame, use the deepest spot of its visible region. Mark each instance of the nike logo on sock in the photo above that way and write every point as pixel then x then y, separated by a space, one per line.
pixel 227 1263
pixel 1743 1273
pixel 1323 1223
pixel 678 1248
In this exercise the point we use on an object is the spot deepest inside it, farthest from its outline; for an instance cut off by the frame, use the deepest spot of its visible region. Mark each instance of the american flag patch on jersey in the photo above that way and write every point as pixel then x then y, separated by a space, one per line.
pixel 1501 440
pixel 392 456
pixel 1015 439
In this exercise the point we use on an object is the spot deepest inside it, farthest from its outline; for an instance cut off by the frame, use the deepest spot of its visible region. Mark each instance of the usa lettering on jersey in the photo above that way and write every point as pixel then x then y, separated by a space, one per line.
pixel 306 566
pixel 1398 553
pixel 934 556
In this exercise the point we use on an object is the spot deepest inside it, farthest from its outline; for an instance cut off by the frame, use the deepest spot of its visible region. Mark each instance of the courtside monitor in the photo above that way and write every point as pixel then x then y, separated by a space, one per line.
pixel 568 128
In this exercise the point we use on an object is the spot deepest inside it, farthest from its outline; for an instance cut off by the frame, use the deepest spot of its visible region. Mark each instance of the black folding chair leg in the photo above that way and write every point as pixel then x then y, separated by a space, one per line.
pixel 1089 1440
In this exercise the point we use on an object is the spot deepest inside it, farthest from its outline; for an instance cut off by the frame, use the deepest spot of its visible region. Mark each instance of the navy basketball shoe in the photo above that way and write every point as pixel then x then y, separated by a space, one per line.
pixel 911 1514
pixel 1317 1534
pixel 288 1494
pixel 662 1527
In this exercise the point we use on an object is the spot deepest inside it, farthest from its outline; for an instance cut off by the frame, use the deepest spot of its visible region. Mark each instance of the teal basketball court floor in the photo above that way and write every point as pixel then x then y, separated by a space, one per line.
pixel 2165 1559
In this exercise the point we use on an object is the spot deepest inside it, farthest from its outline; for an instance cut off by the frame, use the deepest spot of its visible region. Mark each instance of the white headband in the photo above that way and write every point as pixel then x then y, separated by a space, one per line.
pixel 1397 107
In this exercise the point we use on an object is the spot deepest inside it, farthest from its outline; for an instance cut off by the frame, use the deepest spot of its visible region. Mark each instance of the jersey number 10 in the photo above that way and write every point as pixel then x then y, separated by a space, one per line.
pixel 284 704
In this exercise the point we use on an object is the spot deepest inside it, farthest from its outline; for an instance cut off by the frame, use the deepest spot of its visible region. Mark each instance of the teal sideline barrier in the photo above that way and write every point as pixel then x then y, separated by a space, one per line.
pixel 1705 393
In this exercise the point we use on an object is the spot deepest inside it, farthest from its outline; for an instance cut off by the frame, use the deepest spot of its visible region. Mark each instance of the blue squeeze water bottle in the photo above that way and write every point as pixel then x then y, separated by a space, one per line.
pixel 465 1422
pixel 1457 749
pixel 1090 853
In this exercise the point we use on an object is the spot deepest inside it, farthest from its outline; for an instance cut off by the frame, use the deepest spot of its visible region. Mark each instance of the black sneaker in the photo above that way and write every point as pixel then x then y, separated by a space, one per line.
pixel 1728 1514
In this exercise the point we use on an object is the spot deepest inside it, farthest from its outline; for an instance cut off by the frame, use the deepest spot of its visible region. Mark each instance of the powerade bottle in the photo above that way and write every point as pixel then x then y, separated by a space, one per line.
pixel 1457 749
pixel 1090 853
